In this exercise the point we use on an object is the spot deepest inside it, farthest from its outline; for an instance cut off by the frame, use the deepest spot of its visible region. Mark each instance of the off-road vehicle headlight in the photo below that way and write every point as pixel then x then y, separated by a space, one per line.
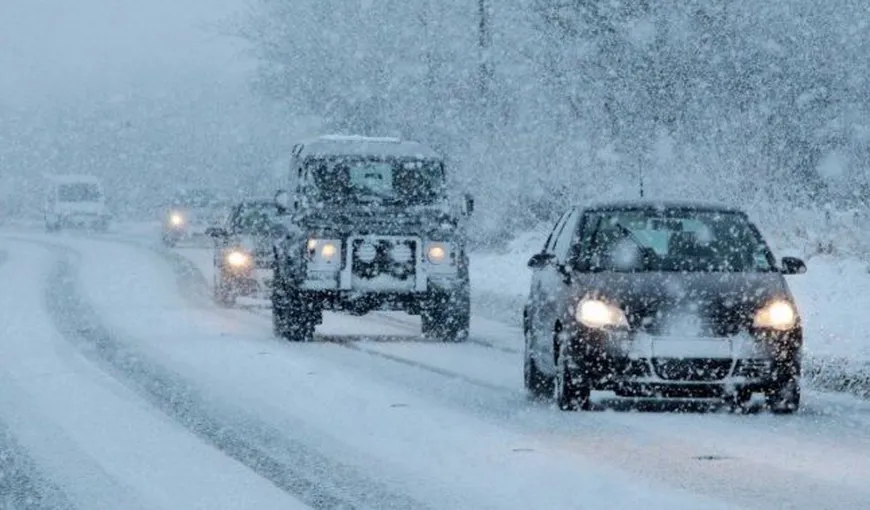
pixel 778 314
pixel 324 252
pixel 437 252
pixel 597 314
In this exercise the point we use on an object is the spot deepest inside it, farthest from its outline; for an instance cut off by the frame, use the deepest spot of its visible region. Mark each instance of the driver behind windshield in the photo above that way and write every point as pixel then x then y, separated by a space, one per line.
pixel 689 241
pixel 363 181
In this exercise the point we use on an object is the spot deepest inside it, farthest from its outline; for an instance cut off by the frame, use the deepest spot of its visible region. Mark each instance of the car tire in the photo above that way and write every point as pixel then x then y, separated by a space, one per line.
pixel 784 396
pixel 739 400
pixel 572 390
pixel 447 316
pixel 293 318
pixel 223 293
pixel 538 385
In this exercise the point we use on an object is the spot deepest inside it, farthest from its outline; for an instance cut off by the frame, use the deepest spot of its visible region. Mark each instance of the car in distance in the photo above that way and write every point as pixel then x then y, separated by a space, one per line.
pixel 75 201
pixel 658 300
pixel 371 226
pixel 189 213
pixel 243 251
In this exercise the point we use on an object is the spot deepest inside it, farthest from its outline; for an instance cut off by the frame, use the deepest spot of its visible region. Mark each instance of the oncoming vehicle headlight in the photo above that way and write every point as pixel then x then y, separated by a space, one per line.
pixel 238 258
pixel 176 219
pixel 324 251
pixel 779 314
pixel 595 313
pixel 437 253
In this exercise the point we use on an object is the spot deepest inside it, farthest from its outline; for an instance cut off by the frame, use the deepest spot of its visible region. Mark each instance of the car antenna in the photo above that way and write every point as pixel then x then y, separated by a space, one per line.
pixel 640 174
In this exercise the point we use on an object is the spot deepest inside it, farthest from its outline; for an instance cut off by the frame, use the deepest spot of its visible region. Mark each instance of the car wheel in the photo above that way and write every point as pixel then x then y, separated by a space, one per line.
pixel 223 293
pixel 784 397
pixel 572 391
pixel 447 315
pixel 293 317
pixel 739 400
pixel 538 385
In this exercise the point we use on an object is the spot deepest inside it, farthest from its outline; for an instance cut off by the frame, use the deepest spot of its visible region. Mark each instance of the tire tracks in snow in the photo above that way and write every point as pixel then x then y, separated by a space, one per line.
pixel 666 457
pixel 194 286
pixel 289 464
pixel 22 486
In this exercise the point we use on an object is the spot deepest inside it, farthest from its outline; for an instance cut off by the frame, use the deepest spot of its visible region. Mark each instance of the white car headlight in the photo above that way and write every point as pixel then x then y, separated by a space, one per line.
pixel 595 313
pixel 176 219
pixel 779 314
pixel 238 258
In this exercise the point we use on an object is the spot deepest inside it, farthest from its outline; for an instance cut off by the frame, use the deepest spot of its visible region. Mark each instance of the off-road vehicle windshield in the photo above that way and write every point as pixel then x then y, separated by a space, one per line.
pixel 672 240
pixel 346 181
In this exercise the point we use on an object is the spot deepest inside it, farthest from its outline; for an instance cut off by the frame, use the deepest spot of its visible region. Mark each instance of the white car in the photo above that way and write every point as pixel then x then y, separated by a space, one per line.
pixel 75 201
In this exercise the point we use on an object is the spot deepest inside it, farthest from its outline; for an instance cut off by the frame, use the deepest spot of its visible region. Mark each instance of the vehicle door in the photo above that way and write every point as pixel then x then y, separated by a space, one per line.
pixel 537 299
pixel 555 289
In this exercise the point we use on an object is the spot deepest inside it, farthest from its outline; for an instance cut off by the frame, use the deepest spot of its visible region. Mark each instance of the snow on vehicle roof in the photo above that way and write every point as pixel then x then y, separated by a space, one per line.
pixel 662 204
pixel 355 145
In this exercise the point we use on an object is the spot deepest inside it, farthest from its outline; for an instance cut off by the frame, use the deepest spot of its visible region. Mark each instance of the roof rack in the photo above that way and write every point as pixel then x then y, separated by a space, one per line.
pixel 359 138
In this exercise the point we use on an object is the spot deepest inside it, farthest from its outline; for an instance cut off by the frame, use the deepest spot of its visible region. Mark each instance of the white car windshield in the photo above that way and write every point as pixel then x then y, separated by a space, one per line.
pixel 674 240
pixel 79 192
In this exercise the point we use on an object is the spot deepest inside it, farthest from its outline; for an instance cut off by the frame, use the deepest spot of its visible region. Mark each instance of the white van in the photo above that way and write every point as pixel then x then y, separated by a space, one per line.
pixel 75 201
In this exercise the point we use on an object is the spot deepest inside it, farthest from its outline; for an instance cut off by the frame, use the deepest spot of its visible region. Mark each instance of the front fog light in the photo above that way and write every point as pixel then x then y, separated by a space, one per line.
pixel 597 314
pixel 366 252
pixel 780 315
pixel 237 259
pixel 401 253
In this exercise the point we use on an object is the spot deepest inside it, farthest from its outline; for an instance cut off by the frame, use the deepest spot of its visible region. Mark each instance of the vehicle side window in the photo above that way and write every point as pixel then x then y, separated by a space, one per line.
pixel 234 219
pixel 554 234
pixel 575 250
pixel 565 239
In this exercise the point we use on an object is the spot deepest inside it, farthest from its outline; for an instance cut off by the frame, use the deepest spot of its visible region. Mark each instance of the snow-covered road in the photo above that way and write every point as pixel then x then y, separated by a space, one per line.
pixel 124 387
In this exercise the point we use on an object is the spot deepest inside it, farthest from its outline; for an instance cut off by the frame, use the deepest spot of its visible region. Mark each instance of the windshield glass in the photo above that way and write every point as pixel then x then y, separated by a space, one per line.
pixel 406 182
pixel 79 192
pixel 673 240
pixel 258 216
pixel 196 200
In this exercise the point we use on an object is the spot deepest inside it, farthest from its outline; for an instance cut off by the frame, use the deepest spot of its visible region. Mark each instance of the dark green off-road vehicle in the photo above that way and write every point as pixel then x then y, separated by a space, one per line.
pixel 370 226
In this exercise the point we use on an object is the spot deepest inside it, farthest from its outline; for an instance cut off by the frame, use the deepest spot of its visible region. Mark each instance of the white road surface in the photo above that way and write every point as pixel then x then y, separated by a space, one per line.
pixel 123 386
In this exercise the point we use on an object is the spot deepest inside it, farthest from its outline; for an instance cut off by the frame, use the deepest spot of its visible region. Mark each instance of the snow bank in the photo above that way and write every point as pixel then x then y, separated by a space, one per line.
pixel 833 297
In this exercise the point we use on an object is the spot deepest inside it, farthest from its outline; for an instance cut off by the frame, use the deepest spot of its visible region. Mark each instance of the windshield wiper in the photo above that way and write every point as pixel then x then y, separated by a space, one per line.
pixel 647 251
